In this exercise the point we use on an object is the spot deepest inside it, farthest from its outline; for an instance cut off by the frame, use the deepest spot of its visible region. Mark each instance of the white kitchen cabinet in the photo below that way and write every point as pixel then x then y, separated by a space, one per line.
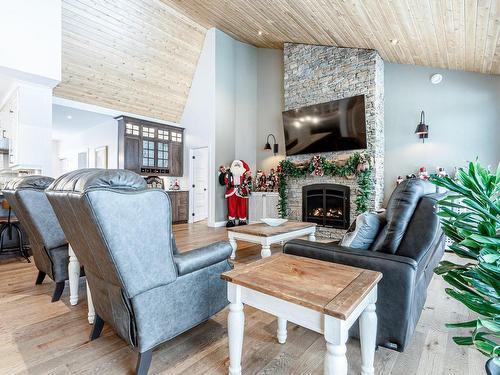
pixel 29 128
pixel 262 204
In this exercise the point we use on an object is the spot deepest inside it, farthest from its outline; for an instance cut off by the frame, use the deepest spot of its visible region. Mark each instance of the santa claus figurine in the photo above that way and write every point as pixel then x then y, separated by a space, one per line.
pixel 238 182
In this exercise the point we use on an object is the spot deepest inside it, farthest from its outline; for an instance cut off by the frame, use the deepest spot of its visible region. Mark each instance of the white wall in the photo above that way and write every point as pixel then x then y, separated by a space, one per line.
pixel 199 115
pixel 104 134
pixel 30 40
pixel 463 114
pixel 270 106
pixel 235 100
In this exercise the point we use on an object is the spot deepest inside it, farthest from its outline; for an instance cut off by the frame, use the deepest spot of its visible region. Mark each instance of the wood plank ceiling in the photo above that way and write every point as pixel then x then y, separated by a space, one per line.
pixel 453 34
pixel 136 56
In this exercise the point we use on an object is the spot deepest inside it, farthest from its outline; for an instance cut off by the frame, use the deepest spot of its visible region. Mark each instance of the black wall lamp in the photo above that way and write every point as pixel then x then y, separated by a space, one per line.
pixel 268 145
pixel 422 130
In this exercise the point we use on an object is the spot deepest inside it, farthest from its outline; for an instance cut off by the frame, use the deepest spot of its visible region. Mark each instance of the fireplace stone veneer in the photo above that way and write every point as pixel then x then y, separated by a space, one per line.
pixel 318 74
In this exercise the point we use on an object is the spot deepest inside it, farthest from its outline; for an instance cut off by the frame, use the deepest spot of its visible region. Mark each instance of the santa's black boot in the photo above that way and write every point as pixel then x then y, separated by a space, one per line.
pixel 242 222
pixel 230 224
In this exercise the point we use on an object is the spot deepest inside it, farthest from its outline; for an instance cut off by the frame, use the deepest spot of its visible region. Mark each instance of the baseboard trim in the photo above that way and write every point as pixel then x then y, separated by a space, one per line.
pixel 218 224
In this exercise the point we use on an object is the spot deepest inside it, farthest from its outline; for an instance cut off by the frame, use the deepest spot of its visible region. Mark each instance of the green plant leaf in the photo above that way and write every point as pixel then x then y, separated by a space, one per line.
pixel 469 324
pixel 463 340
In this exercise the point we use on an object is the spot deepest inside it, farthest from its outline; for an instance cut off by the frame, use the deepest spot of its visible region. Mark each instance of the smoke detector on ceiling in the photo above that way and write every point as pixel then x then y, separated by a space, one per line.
pixel 436 78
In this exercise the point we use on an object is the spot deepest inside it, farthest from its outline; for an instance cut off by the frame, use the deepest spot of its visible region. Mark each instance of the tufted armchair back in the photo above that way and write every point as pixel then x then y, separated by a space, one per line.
pixel 121 233
pixel 26 195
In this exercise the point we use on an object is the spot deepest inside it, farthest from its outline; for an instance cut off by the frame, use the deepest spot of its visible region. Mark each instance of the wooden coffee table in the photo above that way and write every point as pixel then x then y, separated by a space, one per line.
pixel 266 235
pixel 322 296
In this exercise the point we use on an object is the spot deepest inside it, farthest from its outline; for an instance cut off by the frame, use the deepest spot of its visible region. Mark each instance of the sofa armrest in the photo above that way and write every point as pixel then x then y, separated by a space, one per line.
pixel 367 259
pixel 202 257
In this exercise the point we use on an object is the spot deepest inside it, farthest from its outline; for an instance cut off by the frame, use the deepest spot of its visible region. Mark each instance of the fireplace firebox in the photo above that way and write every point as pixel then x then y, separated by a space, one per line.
pixel 327 205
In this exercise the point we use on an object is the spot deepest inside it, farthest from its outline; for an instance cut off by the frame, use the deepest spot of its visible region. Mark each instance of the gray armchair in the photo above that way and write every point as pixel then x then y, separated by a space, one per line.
pixel 406 250
pixel 26 195
pixel 141 285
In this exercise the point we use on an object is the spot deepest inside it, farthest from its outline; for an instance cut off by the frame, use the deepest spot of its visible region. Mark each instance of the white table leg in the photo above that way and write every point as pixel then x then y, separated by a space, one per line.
pixel 281 334
pixel 312 236
pixel 90 303
pixel 235 328
pixel 336 334
pixel 234 245
pixel 266 251
pixel 73 276
pixel 368 337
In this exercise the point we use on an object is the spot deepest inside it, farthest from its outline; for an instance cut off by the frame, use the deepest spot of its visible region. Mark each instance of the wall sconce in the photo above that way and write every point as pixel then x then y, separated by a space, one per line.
pixel 268 145
pixel 422 130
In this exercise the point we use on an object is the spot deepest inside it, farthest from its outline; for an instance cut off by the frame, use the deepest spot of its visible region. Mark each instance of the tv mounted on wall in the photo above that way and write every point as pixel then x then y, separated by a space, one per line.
pixel 338 125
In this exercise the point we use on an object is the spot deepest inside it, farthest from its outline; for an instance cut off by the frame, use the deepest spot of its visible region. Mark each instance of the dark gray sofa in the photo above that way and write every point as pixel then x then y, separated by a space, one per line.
pixel 141 285
pixel 26 195
pixel 406 250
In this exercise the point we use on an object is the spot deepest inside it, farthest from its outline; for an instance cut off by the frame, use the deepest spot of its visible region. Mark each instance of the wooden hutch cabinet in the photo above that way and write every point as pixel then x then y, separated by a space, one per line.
pixel 150 148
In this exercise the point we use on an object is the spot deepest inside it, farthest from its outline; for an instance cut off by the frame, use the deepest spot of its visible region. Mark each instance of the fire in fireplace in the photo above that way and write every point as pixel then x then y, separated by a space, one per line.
pixel 326 205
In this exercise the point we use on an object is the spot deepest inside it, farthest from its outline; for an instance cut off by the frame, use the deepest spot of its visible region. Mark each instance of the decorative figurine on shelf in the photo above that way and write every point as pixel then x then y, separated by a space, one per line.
pixel 422 173
pixel 260 181
pixel 238 182
pixel 441 172
pixel 272 180
pixel 154 182
pixel 399 180
pixel 176 185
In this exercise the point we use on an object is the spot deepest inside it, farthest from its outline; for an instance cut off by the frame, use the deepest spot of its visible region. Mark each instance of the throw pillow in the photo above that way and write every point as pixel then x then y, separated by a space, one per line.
pixel 363 231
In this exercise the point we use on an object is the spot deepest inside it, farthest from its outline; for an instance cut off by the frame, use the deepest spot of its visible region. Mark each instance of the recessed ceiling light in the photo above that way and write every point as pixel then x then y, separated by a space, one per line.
pixel 260 32
pixel 69 117
pixel 394 41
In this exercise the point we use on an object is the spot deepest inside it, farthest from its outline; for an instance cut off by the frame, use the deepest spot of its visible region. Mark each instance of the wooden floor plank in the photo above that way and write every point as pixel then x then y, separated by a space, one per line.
pixel 39 337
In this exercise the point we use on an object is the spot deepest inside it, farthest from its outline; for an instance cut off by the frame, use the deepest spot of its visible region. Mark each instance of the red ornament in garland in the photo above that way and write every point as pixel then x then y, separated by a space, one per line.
pixel 318 167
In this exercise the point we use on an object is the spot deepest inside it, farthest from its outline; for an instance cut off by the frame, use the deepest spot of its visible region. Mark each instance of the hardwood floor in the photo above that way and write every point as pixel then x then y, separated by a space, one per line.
pixel 39 337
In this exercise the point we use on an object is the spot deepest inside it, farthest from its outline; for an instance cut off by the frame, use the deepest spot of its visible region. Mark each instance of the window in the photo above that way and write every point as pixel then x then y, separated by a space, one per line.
pixel 148 132
pixel 132 129
pixel 162 155
pixel 176 137
pixel 148 153
pixel 163 134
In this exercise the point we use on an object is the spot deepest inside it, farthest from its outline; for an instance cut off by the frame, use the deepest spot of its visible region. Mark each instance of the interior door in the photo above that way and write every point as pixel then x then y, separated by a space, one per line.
pixel 199 165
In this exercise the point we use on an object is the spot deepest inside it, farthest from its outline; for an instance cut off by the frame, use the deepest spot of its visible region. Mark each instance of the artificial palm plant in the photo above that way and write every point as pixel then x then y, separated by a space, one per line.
pixel 470 216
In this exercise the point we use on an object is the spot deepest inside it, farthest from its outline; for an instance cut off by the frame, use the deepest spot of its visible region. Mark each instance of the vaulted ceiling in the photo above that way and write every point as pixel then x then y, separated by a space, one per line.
pixel 136 56
pixel 139 56
pixel 453 34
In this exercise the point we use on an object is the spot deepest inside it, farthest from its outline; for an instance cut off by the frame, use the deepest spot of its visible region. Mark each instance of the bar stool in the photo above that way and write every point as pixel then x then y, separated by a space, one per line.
pixel 6 227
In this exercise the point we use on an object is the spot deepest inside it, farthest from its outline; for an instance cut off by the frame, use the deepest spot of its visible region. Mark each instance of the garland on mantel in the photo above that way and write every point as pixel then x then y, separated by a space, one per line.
pixel 357 166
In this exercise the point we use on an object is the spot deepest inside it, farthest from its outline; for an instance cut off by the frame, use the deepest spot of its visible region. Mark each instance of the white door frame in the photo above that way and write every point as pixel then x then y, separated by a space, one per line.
pixel 191 181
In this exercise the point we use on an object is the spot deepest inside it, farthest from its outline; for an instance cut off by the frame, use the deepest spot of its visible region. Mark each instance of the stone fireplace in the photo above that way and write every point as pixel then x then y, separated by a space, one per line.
pixel 318 74
pixel 326 205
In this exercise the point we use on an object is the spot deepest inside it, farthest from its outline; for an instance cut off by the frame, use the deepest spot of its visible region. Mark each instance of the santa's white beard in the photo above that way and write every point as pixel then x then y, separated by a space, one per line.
pixel 237 173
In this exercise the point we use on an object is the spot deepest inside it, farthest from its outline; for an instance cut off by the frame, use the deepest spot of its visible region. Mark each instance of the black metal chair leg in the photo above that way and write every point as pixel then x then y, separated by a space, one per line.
pixel 40 277
pixel 22 249
pixel 97 328
pixel 143 362
pixel 58 291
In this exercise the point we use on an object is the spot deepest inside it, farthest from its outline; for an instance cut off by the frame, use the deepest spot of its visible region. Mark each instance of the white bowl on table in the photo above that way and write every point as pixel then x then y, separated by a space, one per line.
pixel 273 222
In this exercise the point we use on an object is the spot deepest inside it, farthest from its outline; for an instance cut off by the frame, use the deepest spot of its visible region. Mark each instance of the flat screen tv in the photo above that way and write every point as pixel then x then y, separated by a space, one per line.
pixel 338 125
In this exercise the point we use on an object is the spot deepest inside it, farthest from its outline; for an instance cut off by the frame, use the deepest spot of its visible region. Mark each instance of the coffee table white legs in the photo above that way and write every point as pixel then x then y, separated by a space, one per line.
pixel 266 251
pixel 281 334
pixel 235 328
pixel 336 334
pixel 368 336
pixel 312 237
pixel 232 241
pixel 90 303
pixel 73 276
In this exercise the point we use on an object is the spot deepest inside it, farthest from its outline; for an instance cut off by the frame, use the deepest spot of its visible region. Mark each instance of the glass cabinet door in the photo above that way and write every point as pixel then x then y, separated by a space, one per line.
pixel 148 153
pixel 162 160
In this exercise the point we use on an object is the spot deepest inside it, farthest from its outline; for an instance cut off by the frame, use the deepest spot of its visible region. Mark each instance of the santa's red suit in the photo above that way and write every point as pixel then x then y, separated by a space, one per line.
pixel 238 180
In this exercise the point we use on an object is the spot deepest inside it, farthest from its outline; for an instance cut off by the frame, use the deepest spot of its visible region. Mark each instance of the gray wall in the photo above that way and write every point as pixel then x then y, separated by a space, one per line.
pixel 463 114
